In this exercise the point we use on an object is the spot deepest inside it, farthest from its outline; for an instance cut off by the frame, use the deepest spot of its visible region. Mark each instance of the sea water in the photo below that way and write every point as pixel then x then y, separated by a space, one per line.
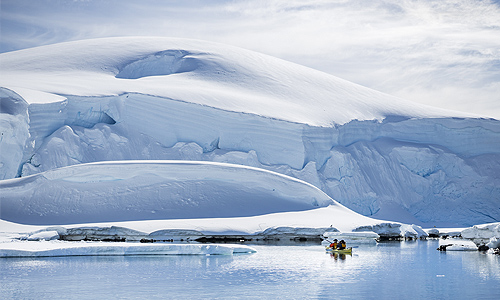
pixel 393 270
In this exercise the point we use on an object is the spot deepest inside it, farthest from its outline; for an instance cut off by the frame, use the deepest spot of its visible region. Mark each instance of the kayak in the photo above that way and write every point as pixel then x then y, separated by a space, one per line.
pixel 341 251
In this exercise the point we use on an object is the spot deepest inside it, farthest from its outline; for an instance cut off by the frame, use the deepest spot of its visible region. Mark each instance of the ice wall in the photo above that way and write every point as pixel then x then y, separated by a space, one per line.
pixel 426 171
pixel 14 132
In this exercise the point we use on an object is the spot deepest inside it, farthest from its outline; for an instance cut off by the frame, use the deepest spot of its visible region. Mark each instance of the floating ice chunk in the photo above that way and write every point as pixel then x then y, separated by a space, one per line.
pixel 457 245
pixel 413 231
pixel 484 231
pixel 494 243
pixel 48 249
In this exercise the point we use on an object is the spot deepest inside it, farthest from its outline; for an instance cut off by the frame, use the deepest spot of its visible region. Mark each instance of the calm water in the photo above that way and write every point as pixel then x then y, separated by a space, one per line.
pixel 408 270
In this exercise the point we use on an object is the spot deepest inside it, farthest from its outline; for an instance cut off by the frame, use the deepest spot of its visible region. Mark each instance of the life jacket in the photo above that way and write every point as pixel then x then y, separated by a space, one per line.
pixel 333 245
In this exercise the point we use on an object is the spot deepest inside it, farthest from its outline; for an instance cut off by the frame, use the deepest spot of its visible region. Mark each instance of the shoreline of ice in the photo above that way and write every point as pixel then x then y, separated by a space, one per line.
pixel 120 241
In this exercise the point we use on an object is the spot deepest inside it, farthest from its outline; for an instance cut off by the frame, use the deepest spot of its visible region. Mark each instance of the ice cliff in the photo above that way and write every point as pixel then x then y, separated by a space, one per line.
pixel 175 99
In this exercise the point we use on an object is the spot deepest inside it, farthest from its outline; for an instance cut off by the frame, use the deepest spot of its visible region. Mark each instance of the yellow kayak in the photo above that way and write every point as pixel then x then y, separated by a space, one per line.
pixel 342 251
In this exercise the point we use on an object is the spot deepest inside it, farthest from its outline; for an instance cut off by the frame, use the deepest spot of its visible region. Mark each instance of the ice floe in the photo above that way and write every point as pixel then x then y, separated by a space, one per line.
pixel 57 248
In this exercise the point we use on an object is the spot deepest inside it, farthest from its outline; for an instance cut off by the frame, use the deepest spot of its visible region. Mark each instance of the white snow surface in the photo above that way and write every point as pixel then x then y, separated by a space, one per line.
pixel 199 72
pixel 148 190
pixel 175 99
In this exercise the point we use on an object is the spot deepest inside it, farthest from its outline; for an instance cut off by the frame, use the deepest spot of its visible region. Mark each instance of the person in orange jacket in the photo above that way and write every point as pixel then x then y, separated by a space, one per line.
pixel 334 244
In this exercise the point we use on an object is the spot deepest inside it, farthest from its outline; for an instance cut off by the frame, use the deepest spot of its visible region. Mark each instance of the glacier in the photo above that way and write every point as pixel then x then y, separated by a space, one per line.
pixel 170 99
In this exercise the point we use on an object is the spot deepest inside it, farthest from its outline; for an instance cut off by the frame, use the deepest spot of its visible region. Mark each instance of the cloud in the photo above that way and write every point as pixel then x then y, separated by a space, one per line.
pixel 444 53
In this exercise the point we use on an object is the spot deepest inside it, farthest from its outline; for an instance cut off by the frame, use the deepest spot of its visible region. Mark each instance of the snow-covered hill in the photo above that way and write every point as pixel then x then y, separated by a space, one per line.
pixel 149 190
pixel 173 199
pixel 175 99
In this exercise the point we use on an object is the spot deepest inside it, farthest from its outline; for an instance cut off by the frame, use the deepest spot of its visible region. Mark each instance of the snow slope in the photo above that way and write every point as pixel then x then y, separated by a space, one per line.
pixel 200 72
pixel 175 99
pixel 149 190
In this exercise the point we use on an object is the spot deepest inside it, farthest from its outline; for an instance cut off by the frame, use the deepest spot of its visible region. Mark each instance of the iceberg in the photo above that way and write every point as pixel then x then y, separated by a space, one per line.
pixel 457 245
pixel 484 235
pixel 494 243
pixel 134 98
pixel 482 231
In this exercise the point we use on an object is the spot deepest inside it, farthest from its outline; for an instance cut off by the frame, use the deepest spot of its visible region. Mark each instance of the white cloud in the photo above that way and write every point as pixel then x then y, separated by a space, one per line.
pixel 444 53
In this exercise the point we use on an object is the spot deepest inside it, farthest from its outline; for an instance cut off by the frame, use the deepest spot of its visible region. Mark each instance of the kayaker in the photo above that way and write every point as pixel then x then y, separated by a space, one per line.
pixel 341 245
pixel 334 244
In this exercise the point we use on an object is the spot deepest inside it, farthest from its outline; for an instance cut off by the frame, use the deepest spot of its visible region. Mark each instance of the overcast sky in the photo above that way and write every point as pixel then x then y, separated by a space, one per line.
pixel 444 53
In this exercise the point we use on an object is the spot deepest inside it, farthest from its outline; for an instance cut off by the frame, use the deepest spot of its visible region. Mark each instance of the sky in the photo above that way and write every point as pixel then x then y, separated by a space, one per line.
pixel 444 53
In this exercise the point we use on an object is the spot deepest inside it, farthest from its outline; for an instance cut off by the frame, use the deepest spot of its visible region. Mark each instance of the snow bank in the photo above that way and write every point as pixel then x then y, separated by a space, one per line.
pixel 49 249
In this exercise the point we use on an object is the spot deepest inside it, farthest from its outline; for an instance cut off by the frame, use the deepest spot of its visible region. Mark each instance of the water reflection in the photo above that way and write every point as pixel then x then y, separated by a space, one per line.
pixel 385 271
pixel 480 264
pixel 341 256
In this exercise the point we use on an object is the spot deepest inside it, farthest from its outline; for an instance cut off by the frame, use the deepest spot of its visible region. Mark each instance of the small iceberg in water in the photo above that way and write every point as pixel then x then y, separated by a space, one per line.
pixel 457 245
pixel 57 248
